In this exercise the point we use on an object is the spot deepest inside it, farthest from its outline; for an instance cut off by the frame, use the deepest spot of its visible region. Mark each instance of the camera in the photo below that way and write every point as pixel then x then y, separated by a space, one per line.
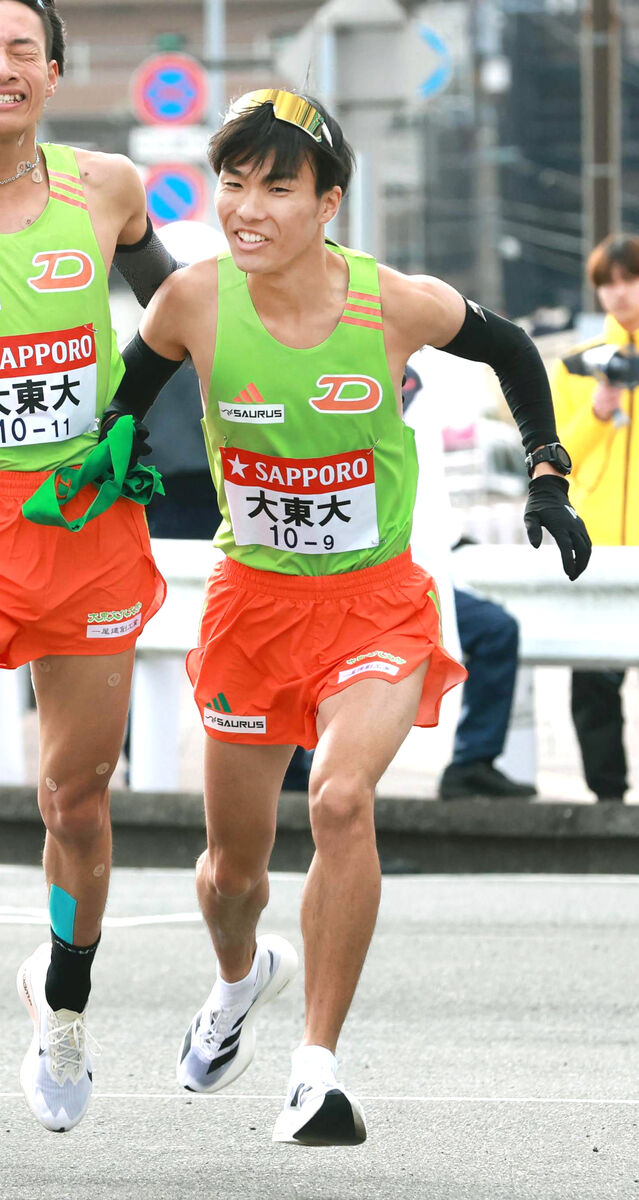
pixel 616 366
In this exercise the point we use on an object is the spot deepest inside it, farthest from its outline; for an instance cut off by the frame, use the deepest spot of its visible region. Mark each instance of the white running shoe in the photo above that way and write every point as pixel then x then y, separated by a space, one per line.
pixel 319 1112
pixel 220 1042
pixel 56 1073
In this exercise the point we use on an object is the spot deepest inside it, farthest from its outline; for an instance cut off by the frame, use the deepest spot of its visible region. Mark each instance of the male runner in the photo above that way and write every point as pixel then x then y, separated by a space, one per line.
pixel 317 628
pixel 70 604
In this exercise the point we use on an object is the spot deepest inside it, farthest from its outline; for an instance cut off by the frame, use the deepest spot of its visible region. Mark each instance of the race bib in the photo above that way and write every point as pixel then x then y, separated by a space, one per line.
pixel 306 505
pixel 48 386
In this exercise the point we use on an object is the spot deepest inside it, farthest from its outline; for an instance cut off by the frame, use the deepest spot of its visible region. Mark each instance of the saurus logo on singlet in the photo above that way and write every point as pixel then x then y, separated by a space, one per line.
pixel 62 271
pixel 347 394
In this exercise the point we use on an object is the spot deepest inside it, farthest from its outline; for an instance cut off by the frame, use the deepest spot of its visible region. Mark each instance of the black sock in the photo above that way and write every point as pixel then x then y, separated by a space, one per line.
pixel 68 980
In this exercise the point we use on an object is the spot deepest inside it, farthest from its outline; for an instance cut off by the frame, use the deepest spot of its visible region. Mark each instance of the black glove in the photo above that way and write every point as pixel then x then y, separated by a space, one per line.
pixel 548 507
pixel 140 446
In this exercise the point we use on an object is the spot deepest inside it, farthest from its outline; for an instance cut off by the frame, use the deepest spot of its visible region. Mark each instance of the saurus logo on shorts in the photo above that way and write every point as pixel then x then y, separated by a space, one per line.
pixel 347 394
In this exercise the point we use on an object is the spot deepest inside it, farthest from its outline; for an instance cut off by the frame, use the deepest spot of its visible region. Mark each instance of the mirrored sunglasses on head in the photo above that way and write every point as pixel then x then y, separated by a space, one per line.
pixel 295 110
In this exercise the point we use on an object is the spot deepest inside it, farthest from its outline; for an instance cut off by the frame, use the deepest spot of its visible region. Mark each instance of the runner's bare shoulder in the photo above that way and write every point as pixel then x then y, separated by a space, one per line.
pixel 110 174
pixel 419 309
pixel 183 309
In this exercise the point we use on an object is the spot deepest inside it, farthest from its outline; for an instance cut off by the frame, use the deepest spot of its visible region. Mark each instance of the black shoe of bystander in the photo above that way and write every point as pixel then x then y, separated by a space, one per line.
pixel 464 781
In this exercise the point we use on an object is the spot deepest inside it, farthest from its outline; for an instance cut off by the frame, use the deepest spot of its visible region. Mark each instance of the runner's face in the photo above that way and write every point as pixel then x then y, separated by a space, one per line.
pixel 26 78
pixel 620 297
pixel 269 223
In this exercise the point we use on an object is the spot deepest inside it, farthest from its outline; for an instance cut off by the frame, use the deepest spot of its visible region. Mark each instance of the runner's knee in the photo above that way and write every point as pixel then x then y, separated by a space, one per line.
pixel 74 813
pixel 230 874
pixel 340 805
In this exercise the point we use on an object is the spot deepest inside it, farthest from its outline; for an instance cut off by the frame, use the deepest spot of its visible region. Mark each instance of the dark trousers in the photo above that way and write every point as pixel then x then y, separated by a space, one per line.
pixel 187 510
pixel 598 717
pixel 489 639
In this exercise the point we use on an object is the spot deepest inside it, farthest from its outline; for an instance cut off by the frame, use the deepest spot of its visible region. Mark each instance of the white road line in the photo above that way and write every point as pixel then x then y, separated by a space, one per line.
pixel 548 1101
pixel 40 916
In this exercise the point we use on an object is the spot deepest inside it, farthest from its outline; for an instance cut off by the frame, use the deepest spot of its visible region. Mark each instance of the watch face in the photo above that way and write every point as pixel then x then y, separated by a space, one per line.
pixel 563 458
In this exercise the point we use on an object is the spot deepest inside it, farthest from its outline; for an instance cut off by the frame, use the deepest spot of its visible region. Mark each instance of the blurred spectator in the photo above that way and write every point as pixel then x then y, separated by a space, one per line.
pixel 597 424
pixel 189 508
pixel 489 638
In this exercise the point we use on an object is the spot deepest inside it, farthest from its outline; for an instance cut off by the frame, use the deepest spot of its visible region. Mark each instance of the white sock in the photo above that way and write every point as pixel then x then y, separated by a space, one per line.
pixel 234 995
pixel 311 1061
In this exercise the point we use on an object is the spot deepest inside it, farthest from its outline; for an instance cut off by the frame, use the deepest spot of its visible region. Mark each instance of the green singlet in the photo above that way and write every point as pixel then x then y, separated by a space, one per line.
pixel 59 363
pixel 316 472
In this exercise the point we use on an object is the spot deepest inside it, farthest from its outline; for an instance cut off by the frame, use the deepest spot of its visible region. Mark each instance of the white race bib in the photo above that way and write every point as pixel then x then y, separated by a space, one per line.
pixel 48 386
pixel 305 505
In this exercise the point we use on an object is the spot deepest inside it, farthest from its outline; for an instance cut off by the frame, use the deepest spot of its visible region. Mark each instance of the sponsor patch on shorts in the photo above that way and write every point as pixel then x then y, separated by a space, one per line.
pixel 394 658
pixel 231 723
pixel 110 629
pixel 387 668
pixel 114 622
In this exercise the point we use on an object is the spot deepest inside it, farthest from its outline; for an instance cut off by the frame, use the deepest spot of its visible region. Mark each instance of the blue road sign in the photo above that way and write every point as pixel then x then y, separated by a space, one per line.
pixel 170 89
pixel 176 192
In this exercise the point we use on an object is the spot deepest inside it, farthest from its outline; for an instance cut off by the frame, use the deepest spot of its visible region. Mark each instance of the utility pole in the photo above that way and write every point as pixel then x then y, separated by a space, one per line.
pixel 215 56
pixel 486 38
pixel 601 126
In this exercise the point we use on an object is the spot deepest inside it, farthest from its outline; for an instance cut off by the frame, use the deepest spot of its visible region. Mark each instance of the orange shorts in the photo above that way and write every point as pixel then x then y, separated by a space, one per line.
pixel 90 592
pixel 273 646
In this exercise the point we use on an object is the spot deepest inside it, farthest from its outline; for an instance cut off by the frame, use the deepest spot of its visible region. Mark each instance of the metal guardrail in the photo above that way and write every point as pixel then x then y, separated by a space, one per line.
pixel 589 623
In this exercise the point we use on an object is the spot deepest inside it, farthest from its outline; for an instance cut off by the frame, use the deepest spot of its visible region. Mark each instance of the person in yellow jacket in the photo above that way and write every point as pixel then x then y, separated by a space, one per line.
pixel 599 425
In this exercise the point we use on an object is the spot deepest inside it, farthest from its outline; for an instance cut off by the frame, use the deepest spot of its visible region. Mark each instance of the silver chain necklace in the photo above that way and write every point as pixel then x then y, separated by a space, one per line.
pixel 24 168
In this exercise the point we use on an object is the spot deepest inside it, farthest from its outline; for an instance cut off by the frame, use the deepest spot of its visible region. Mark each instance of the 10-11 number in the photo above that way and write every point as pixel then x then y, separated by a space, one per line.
pixel 18 429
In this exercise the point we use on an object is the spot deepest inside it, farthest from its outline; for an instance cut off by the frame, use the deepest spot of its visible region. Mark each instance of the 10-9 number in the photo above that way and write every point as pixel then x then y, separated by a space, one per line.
pixel 291 538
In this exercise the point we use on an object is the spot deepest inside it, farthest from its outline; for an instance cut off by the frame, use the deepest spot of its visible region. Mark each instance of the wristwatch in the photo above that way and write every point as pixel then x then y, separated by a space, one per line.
pixel 555 454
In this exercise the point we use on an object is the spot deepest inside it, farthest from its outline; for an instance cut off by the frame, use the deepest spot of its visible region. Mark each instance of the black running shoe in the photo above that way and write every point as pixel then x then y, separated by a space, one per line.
pixel 320 1112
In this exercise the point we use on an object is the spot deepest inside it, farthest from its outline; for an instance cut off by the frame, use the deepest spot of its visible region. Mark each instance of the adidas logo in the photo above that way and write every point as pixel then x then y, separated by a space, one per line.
pixel 249 395
pixel 301 1092
pixel 220 703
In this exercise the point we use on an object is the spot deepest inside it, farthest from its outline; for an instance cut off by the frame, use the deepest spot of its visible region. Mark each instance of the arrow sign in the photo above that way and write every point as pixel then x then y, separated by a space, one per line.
pixel 441 74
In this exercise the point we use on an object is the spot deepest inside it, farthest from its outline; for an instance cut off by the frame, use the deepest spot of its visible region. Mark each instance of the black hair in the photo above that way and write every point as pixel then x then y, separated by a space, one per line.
pixel 617 250
pixel 256 135
pixel 54 29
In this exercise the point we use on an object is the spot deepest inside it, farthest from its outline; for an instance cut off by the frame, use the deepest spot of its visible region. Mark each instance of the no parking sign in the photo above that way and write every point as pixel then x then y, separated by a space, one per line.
pixel 170 89
pixel 176 192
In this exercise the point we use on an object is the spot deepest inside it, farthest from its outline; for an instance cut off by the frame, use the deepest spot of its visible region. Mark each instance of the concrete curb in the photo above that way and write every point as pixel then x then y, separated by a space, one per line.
pixel 479 818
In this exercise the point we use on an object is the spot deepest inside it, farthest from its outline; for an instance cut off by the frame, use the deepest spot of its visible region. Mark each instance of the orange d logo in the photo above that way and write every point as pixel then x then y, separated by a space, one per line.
pixel 50 279
pixel 339 397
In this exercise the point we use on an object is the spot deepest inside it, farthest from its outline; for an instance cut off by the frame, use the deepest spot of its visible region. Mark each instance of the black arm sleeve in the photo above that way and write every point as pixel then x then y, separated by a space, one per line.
pixel 485 337
pixel 145 264
pixel 145 376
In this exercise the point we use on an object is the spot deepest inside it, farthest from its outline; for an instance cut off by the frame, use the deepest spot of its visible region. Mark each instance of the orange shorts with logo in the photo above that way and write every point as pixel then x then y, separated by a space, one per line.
pixel 273 646
pixel 90 592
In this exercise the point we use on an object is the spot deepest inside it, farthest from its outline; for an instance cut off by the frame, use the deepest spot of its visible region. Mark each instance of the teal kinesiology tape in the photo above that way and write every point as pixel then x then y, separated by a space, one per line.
pixel 62 908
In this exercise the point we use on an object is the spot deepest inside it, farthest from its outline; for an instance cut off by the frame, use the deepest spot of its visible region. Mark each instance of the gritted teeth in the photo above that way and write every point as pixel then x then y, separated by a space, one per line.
pixel 245 236
pixel 12 97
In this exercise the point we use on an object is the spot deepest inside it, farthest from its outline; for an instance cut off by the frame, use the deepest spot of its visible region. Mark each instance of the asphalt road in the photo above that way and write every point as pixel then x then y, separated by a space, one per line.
pixel 493 1042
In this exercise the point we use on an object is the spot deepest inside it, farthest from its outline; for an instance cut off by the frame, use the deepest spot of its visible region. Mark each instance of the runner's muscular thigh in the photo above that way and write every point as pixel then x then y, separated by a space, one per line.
pixel 83 702
pixel 365 724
